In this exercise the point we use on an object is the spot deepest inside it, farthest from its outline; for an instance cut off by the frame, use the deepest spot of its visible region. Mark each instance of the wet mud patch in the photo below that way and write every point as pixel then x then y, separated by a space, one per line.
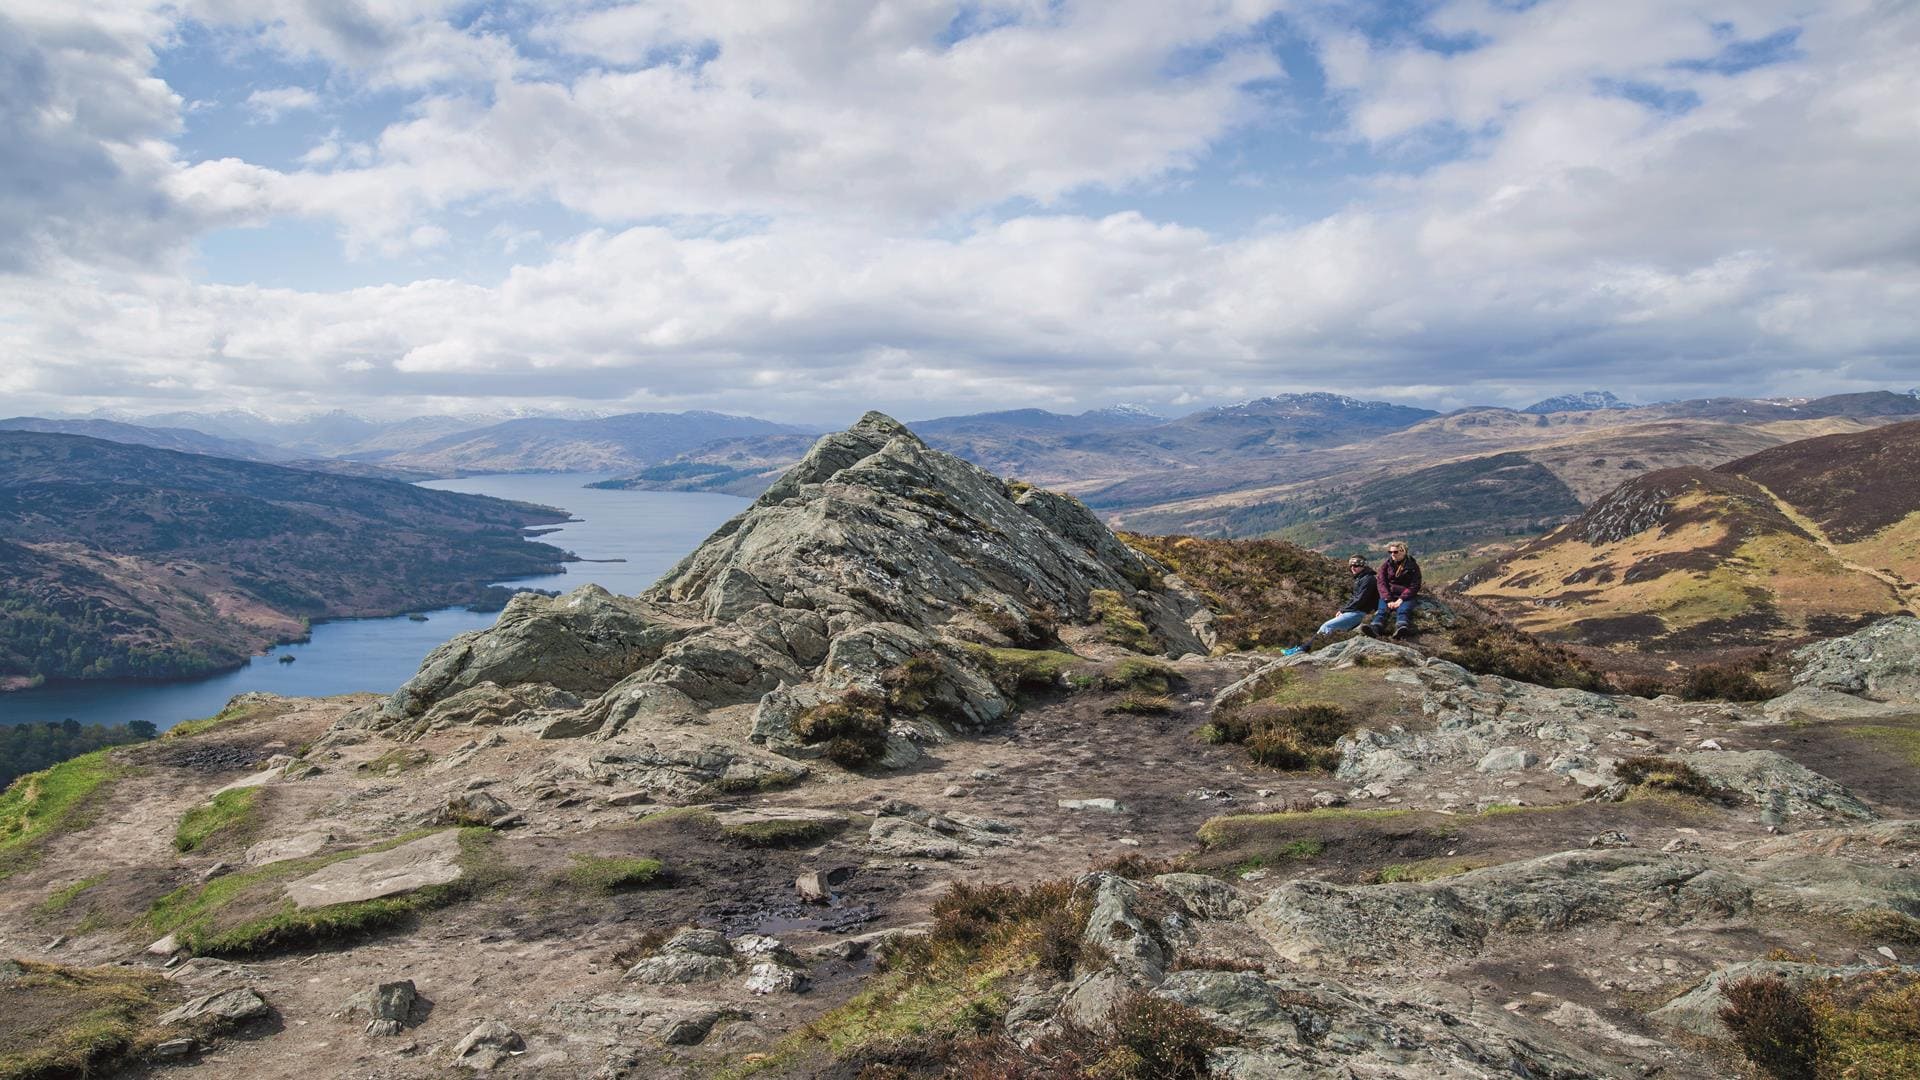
pixel 204 757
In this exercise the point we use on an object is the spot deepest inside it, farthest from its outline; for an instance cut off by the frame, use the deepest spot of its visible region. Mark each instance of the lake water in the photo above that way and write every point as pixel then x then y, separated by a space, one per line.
pixel 651 530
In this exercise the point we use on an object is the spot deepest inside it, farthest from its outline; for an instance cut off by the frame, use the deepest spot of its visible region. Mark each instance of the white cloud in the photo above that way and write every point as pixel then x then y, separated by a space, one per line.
pixel 275 102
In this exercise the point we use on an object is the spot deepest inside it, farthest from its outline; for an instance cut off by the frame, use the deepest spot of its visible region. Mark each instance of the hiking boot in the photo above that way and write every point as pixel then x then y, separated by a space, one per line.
pixel 1369 629
pixel 1399 631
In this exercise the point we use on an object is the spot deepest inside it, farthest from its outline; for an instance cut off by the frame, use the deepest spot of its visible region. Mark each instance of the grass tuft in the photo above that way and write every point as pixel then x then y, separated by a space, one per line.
pixel 65 1021
pixel 784 833
pixel 1120 624
pixel 611 874
pixel 44 804
pixel 227 814
pixel 247 913
pixel 1665 774
pixel 1141 674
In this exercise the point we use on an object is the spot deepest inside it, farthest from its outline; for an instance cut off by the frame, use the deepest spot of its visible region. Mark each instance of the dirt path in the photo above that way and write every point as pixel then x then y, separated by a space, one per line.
pixel 1905 591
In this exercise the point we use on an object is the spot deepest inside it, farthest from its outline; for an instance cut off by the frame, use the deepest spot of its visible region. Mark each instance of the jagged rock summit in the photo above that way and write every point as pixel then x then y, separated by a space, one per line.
pixel 867 579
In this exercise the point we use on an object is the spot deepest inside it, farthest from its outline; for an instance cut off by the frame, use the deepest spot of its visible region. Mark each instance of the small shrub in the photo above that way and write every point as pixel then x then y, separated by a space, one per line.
pixel 1644 686
pixel 611 874
pixel 1487 646
pixel 1723 682
pixel 1045 920
pixel 1665 774
pixel 1775 1026
pixel 910 684
pixel 1287 737
pixel 854 728
pixel 1144 1038
pixel 229 812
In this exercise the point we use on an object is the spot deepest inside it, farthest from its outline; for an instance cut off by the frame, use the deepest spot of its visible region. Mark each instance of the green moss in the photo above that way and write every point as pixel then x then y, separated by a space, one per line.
pixel 611 874
pixel 787 833
pixel 64 1021
pixel 1138 673
pixel 1293 851
pixel 59 900
pixel 246 913
pixel 44 804
pixel 229 813
pixel 1119 623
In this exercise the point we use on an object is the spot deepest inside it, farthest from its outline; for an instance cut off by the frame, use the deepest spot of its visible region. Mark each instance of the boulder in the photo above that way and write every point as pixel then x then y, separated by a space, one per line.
pixel 1778 785
pixel 487 1045
pixel 688 957
pixel 1698 1010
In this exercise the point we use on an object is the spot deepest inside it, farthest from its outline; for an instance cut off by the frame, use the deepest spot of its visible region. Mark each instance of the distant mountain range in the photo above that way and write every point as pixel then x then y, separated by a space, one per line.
pixel 125 560
pixel 1813 537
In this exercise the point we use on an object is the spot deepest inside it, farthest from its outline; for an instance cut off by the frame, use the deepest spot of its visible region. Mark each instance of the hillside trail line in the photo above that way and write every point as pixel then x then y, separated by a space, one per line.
pixel 1905 591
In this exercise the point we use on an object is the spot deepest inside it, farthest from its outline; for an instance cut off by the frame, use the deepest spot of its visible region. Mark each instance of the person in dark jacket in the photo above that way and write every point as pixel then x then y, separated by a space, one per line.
pixel 1399 583
pixel 1361 605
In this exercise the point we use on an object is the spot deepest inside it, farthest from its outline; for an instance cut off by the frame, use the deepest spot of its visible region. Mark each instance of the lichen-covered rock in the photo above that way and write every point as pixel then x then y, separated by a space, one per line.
pixel 1116 928
pixel 1780 786
pixel 1408 926
pixel 1879 663
pixel 1206 897
pixel 1698 1010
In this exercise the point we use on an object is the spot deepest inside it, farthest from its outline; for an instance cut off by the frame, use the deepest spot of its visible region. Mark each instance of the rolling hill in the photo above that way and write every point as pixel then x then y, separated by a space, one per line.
pixel 1813 537
pixel 119 560
pixel 553 444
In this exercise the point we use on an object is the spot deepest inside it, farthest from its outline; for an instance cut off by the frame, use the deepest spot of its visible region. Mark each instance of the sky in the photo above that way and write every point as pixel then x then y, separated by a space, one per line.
pixel 801 210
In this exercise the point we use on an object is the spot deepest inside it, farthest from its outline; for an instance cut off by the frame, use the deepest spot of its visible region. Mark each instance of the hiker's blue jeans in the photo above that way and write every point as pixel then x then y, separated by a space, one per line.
pixel 1402 614
pixel 1346 620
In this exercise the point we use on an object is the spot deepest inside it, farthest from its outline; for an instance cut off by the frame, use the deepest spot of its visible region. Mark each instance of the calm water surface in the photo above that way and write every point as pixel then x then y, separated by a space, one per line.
pixel 651 530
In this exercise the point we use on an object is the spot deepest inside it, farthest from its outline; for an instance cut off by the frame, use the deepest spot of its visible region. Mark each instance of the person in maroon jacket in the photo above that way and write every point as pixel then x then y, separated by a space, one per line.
pixel 1399 592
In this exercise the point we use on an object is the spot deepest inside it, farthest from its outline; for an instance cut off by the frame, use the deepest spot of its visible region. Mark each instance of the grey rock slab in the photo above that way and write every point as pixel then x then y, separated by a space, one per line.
pixel 1404 925
pixel 1206 897
pixel 771 978
pixel 278 848
pixel 220 1008
pixel 1879 663
pixel 900 838
pixel 626 1018
pixel 417 864
pixel 1506 759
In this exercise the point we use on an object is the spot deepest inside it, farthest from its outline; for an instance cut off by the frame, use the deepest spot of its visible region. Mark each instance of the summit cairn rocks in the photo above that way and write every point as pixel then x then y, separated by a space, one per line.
pixel 866 578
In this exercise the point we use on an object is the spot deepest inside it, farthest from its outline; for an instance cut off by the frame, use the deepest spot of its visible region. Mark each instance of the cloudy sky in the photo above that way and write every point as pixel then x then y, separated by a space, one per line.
pixel 804 209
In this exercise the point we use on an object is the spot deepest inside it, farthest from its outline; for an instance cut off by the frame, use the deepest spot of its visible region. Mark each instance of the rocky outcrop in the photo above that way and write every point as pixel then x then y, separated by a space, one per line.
pixel 1871 674
pixel 868 569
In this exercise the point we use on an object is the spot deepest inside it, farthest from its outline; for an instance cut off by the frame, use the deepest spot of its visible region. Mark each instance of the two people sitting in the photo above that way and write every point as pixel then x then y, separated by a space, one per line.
pixel 1393 589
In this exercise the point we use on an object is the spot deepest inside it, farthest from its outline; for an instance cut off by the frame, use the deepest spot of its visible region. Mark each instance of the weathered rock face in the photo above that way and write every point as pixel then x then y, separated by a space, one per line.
pixel 874 556
pixel 1869 674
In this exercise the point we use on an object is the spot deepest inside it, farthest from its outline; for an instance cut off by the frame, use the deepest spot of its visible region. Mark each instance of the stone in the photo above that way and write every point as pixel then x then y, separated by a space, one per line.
pixel 477 808
pixel 391 1007
pixel 771 978
pixel 1206 897
pixel 417 864
pixel 628 798
pixel 487 1045
pixel 1880 663
pixel 901 838
pixel 1506 759
pixel 1101 805
pixel 220 1009
pixel 1115 926
pixel 688 957
pixel 175 1048
pixel 166 946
